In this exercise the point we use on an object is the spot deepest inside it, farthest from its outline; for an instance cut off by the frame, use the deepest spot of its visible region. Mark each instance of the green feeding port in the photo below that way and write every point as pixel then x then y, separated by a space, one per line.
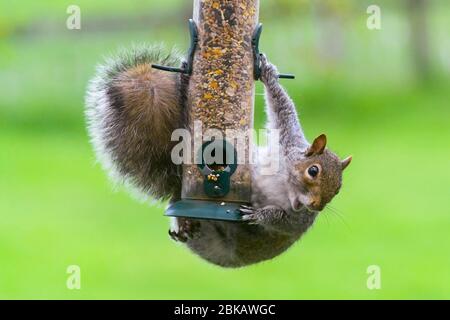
pixel 218 163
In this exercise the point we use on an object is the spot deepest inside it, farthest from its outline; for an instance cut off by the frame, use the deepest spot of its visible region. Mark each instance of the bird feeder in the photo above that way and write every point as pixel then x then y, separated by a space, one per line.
pixel 223 63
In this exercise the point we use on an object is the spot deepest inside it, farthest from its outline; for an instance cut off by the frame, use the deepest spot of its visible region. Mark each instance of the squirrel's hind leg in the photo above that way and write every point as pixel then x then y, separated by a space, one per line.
pixel 184 229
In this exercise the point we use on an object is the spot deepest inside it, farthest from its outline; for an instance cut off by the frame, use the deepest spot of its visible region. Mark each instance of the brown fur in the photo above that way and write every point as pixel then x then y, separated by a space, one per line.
pixel 132 112
pixel 147 113
pixel 326 185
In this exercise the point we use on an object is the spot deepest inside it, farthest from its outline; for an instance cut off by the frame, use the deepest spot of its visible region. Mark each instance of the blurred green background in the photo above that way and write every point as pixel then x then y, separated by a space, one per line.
pixel 380 95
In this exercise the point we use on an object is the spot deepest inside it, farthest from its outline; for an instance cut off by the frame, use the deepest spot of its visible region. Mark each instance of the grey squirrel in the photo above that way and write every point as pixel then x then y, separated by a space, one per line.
pixel 132 110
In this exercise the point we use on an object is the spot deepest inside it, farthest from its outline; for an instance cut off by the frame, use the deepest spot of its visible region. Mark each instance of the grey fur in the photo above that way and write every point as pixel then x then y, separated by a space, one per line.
pixel 137 153
pixel 273 226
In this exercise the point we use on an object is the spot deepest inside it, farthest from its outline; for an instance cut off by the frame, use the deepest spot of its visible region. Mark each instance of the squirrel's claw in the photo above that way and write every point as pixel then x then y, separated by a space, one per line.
pixel 245 210
pixel 250 218
pixel 188 230
pixel 178 237
pixel 268 71
pixel 246 207
pixel 248 214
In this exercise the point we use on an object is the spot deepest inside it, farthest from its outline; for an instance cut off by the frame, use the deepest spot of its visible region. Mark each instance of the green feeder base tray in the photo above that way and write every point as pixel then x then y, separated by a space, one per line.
pixel 201 209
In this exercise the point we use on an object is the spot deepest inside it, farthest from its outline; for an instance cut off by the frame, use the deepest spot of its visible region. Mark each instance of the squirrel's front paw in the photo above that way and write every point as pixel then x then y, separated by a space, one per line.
pixel 268 71
pixel 188 229
pixel 249 214
pixel 268 216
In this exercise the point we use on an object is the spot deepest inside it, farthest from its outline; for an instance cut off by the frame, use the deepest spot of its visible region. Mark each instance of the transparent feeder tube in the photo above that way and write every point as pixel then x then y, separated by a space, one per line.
pixel 221 87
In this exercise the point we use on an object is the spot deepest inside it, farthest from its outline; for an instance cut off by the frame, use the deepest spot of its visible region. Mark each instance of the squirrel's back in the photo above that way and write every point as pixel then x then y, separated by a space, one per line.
pixel 132 110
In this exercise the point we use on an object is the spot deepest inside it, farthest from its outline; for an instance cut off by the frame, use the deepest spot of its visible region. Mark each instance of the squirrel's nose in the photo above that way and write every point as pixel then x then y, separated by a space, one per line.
pixel 315 204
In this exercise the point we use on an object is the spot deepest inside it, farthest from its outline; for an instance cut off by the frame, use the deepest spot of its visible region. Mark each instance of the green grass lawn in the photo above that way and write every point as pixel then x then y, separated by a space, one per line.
pixel 57 207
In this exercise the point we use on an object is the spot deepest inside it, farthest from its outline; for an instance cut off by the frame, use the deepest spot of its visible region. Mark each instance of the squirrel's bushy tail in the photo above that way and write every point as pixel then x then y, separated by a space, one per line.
pixel 131 111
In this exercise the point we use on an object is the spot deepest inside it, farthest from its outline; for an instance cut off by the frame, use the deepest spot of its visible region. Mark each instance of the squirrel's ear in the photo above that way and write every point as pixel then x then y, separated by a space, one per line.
pixel 346 162
pixel 317 146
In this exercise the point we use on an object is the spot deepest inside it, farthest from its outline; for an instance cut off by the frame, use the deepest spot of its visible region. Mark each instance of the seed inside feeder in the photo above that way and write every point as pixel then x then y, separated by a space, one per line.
pixel 221 87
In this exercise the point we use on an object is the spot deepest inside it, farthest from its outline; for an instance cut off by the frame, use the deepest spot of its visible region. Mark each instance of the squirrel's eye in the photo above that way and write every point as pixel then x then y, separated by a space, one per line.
pixel 313 171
